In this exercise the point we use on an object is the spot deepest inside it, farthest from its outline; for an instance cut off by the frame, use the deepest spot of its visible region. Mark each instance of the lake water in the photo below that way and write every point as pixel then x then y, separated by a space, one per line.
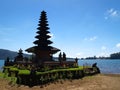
pixel 106 66
pixel 1 64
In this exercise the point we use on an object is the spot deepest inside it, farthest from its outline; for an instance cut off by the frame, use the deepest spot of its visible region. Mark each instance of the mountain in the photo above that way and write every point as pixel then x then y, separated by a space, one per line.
pixel 4 53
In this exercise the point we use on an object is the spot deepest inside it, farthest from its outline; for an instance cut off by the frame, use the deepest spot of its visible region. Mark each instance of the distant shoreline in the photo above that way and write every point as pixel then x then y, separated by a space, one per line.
pixel 100 59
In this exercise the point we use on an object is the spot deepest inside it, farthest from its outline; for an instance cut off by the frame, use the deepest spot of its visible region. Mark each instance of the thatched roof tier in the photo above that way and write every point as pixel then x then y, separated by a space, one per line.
pixel 50 49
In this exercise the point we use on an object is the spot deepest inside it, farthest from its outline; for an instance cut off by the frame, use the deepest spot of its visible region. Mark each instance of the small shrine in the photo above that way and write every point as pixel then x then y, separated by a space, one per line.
pixel 19 58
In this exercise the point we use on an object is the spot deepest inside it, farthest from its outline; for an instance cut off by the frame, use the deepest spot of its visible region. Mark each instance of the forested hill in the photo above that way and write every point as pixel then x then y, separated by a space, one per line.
pixel 115 55
pixel 4 53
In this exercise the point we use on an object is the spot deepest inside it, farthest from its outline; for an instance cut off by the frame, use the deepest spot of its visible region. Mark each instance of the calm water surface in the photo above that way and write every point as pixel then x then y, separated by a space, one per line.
pixel 106 66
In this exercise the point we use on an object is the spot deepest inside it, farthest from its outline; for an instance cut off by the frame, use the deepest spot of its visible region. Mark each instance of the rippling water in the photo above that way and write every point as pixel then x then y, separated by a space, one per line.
pixel 106 66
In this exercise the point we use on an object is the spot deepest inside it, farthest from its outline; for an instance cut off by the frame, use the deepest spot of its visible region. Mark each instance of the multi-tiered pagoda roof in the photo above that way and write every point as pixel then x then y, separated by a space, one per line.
pixel 43 43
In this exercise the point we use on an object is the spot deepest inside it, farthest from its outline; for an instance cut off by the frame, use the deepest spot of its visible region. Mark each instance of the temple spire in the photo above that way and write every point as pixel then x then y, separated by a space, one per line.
pixel 43 36
pixel 43 50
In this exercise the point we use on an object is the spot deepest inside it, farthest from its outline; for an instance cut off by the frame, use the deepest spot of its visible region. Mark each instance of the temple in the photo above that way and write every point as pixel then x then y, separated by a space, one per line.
pixel 41 68
pixel 42 49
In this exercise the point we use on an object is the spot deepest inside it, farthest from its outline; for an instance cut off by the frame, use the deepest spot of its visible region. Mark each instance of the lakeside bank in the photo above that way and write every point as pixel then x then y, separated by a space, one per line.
pixel 96 82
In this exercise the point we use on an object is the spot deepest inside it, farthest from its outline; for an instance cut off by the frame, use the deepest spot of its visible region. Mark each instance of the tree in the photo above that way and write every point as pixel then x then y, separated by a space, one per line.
pixel 60 57
pixel 7 61
pixel 64 56
pixel 115 55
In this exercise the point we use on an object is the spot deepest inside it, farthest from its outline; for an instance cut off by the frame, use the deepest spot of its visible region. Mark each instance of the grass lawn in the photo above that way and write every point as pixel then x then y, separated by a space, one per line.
pixel 1 75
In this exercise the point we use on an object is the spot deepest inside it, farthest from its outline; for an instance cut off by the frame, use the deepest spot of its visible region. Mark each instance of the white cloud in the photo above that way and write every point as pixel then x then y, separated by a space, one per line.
pixel 112 13
pixel 103 48
pixel 80 55
pixel 118 45
pixel 52 36
pixel 103 54
pixel 91 38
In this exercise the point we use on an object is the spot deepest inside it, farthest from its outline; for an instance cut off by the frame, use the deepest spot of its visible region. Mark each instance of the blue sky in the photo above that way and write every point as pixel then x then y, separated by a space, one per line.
pixel 79 28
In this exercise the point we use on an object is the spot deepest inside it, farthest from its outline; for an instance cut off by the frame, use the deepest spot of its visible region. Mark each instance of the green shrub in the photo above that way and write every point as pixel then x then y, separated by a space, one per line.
pixel 24 72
